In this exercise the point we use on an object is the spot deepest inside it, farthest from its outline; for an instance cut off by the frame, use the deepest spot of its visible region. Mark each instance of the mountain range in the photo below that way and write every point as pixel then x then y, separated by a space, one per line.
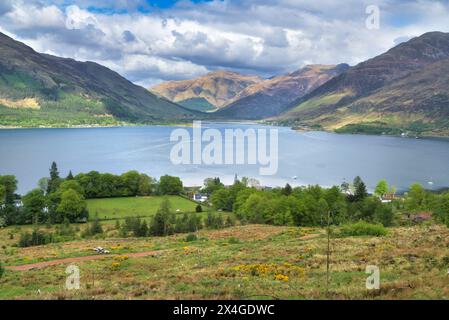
pixel 405 89
pixel 39 89
pixel 270 97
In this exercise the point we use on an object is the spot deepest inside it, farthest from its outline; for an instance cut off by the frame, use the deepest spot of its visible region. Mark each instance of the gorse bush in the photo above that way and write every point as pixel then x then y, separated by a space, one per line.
pixel 363 228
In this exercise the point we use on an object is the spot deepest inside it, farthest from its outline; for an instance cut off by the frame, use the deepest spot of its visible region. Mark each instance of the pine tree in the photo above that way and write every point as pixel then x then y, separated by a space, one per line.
pixel 360 189
pixel 70 176
pixel 53 183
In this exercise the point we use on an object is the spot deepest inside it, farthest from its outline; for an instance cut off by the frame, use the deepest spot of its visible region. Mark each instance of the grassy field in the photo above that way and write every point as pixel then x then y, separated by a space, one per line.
pixel 242 262
pixel 119 208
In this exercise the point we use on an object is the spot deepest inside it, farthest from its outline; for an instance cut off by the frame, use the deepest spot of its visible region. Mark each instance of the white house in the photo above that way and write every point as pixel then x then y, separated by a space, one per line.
pixel 198 197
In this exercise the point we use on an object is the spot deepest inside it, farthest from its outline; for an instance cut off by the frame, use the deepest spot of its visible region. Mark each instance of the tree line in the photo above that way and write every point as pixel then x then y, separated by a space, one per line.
pixel 59 199
pixel 311 205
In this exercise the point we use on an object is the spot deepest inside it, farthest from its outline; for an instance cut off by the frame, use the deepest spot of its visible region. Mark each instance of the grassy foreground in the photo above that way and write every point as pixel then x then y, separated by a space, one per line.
pixel 244 262
pixel 118 208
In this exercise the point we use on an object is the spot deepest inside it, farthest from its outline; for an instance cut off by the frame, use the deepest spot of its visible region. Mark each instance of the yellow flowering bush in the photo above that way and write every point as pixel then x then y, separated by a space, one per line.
pixel 284 270
pixel 281 277
pixel 188 250
pixel 121 258
pixel 115 265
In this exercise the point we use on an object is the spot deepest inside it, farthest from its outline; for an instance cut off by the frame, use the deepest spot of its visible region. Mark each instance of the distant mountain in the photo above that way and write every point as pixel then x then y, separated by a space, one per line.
pixel 211 91
pixel 270 97
pixel 404 89
pixel 39 89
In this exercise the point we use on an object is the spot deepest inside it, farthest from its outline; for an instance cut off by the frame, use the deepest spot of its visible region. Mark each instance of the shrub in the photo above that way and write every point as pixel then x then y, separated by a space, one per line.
pixel 199 208
pixel 36 238
pixel 65 229
pixel 191 237
pixel 214 221
pixel 363 228
pixel 2 270
pixel 135 225
pixel 230 221
pixel 188 223
pixel 94 228
pixel 233 240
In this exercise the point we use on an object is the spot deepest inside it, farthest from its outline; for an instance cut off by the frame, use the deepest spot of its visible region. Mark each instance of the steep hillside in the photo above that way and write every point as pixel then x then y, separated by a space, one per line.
pixel 270 97
pixel 217 88
pixel 404 89
pixel 39 89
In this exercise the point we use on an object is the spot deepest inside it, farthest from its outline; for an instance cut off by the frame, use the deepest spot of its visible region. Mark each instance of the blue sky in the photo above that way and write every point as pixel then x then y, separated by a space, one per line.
pixel 146 7
pixel 153 41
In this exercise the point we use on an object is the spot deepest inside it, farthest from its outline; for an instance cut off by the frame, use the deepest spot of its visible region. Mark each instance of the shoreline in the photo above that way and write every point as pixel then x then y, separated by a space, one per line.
pixel 243 122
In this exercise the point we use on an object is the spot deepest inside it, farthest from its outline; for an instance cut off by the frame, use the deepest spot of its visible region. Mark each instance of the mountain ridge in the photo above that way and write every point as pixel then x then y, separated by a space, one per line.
pixel 363 95
pixel 270 97
pixel 72 92
pixel 218 87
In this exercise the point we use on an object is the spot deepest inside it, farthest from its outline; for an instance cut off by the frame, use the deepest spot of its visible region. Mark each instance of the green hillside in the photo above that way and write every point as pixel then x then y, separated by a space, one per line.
pixel 38 89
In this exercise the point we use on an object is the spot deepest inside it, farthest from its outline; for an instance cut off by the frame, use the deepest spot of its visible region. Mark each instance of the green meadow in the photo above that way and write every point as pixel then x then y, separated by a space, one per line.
pixel 119 208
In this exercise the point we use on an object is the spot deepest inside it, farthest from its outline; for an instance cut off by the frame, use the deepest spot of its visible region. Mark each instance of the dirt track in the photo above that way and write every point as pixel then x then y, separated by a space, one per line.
pixel 44 264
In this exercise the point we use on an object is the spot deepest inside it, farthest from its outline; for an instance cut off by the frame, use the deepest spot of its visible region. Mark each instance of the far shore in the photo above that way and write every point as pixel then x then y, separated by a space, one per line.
pixel 243 122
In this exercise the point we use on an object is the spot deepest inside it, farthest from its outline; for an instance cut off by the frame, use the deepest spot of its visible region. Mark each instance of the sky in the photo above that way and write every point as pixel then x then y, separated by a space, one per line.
pixel 153 41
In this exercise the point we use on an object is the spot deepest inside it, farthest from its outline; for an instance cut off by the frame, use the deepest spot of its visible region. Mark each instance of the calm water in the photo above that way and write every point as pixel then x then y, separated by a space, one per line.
pixel 313 157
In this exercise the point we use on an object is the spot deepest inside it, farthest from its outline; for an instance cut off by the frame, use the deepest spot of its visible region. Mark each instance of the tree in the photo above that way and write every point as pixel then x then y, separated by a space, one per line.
pixel 147 185
pixel 8 211
pixel 143 229
pixel 71 185
pixel 72 207
pixel 2 195
pixel 415 198
pixel 384 214
pixel 211 185
pixel 43 184
pixel 55 180
pixel 381 188
pixel 169 185
pixel 345 187
pixel 9 187
pixel 360 189
pixel 164 220
pixel 287 190
pixel 70 176
pixel 131 182
pixel 222 199
pixel 34 203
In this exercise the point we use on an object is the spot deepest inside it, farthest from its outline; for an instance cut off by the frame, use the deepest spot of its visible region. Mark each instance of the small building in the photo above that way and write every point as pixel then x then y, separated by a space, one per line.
pixel 198 197
pixel 419 217
pixel 388 197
